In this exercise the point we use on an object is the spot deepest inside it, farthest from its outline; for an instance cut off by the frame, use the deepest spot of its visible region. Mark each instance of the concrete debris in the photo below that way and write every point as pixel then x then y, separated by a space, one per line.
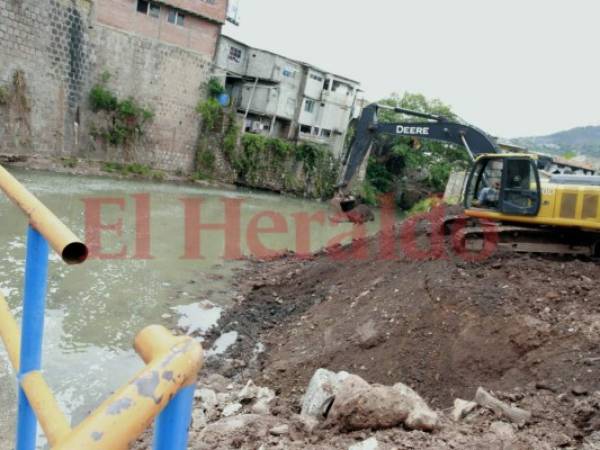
pixel 279 430
pixel 592 442
pixel 230 429
pixel 512 413
pixel 462 408
pixel 421 417
pixel 232 409
pixel 209 402
pixel 321 392
pixel 359 406
pixel 504 431
pixel 369 444
pixel 252 392
pixel 261 407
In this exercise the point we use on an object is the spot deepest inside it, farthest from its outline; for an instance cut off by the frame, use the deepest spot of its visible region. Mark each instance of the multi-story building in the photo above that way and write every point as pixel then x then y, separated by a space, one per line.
pixel 191 24
pixel 282 97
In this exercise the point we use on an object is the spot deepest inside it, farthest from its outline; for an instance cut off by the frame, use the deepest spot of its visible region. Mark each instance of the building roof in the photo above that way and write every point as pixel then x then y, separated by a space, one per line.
pixel 305 64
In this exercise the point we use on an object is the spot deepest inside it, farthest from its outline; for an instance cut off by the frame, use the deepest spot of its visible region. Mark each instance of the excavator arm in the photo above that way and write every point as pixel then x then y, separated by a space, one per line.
pixel 438 128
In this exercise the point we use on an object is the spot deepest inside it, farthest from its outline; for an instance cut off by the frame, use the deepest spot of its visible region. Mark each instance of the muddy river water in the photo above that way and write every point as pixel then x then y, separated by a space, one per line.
pixel 151 271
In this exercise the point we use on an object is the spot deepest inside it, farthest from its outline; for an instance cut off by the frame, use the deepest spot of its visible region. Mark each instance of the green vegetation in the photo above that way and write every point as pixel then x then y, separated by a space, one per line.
pixel 126 119
pixel 584 141
pixel 70 162
pixel 214 87
pixel 137 169
pixel 211 112
pixel 369 193
pixel 255 159
pixel 396 161
pixel 4 96
pixel 569 154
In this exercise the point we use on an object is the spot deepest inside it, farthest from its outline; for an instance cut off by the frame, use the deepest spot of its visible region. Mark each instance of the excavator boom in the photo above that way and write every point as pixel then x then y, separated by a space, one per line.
pixel 438 128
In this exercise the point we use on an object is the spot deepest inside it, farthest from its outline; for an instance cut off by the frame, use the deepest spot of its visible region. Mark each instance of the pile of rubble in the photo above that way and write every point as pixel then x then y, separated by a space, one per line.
pixel 343 411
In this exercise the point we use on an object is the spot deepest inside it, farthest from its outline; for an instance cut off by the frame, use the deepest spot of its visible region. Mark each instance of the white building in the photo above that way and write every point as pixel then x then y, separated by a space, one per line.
pixel 281 97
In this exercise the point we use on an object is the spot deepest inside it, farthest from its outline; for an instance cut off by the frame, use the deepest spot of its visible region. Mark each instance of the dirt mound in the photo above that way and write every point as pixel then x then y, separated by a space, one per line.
pixel 445 327
pixel 512 323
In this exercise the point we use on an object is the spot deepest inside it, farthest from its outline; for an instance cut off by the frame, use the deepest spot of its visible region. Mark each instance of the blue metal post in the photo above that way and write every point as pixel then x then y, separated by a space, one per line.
pixel 171 426
pixel 32 331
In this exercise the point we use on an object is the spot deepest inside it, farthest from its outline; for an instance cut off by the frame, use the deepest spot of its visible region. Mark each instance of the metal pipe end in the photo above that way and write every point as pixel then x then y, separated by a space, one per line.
pixel 75 253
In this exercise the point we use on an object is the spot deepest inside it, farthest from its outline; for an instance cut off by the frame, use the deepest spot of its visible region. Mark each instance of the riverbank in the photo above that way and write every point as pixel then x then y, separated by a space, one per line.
pixel 119 171
pixel 524 328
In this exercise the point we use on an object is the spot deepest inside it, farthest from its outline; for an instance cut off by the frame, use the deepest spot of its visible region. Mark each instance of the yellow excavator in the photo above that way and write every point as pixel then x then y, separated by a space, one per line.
pixel 533 211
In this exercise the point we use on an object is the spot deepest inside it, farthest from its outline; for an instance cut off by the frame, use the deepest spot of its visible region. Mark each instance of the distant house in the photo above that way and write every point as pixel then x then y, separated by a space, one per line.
pixel 282 97
pixel 191 24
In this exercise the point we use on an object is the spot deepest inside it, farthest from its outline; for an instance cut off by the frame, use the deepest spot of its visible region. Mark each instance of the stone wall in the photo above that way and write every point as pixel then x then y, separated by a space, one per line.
pixel 51 55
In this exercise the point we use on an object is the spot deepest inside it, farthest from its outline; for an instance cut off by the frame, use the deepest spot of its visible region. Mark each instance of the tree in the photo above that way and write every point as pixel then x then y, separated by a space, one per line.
pixel 396 159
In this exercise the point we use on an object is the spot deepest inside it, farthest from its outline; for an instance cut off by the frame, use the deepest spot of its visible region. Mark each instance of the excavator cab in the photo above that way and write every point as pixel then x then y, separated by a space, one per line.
pixel 504 183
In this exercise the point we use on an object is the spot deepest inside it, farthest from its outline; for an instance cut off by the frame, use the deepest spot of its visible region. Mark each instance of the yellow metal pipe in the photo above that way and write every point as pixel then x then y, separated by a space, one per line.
pixel 52 420
pixel 173 363
pixel 9 331
pixel 62 240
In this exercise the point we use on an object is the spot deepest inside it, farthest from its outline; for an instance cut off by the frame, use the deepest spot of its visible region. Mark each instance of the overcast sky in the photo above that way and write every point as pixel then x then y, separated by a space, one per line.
pixel 511 67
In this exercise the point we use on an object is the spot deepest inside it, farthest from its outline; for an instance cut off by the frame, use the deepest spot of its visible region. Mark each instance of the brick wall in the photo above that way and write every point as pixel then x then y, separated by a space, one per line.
pixel 196 33
pixel 51 55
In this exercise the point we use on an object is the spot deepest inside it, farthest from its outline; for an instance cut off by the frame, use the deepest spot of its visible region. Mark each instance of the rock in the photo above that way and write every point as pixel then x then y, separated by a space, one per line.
pixel 552 295
pixel 462 408
pixel 504 431
pixel 261 407
pixel 369 444
pixel 199 419
pixel 232 409
pixel 261 396
pixel 360 214
pixel 208 401
pixel 279 430
pixel 321 392
pixel 368 336
pixel 231 431
pixel 579 390
pixel 308 423
pixel 216 382
pixel 592 442
pixel 513 413
pixel 360 406
pixel 248 393
pixel 421 416
pixel 545 386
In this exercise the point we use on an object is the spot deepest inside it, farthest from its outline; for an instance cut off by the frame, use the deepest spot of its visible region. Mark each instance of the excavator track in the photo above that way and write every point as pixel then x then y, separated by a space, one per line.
pixel 472 236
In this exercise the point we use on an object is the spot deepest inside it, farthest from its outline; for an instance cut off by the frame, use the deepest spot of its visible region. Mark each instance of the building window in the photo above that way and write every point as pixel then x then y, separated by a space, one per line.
pixel 147 7
pixel 326 85
pixel 316 77
pixel 316 131
pixel 309 106
pixel 154 10
pixel 305 129
pixel 289 73
pixel 325 133
pixel 150 8
pixel 142 6
pixel 235 54
pixel 176 17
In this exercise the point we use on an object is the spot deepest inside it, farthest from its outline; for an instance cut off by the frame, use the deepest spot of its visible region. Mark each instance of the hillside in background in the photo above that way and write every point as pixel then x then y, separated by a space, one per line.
pixel 581 140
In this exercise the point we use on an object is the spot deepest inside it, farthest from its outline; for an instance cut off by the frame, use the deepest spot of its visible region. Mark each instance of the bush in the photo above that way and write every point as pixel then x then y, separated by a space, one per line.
pixel 214 87
pixel 210 110
pixel 126 118
pixel 101 99
pixel 4 96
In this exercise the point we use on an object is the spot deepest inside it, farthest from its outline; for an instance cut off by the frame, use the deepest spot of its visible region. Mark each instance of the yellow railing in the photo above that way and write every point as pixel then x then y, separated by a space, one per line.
pixel 164 389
